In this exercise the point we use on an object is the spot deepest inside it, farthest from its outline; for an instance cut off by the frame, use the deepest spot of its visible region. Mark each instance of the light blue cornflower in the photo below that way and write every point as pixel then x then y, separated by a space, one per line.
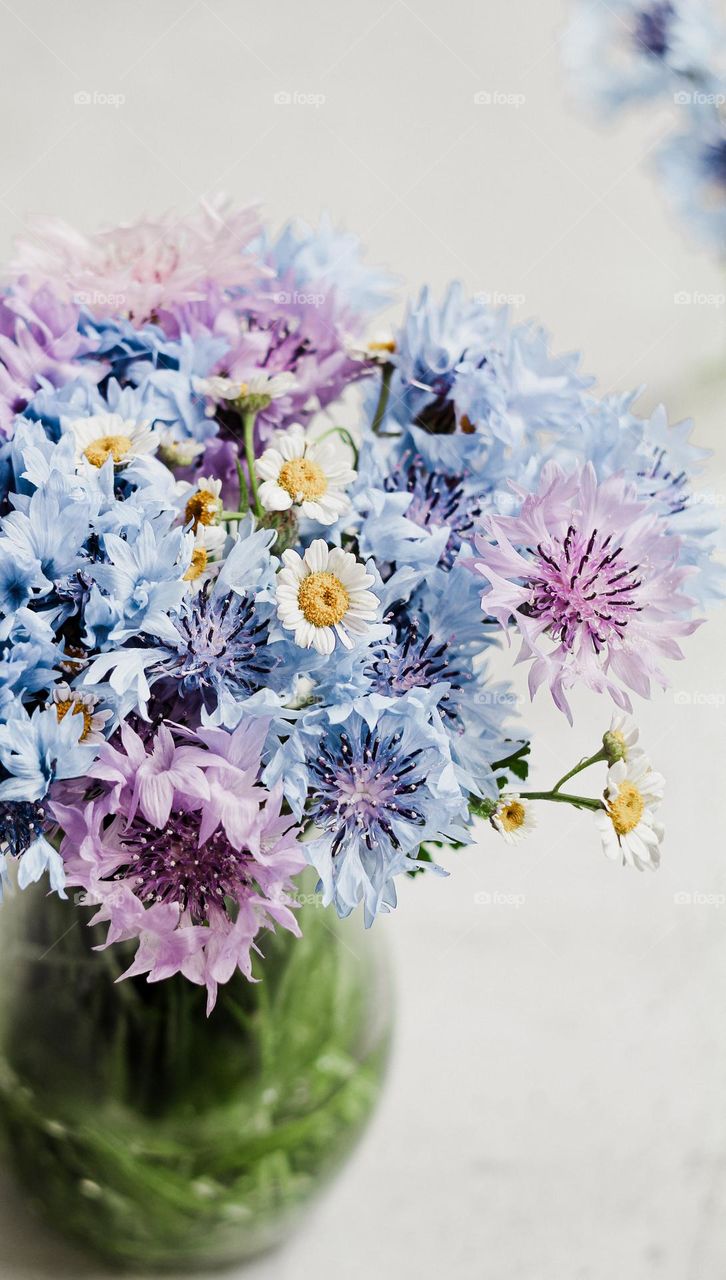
pixel 380 784
pixel 625 51
pixel 308 258
pixel 38 749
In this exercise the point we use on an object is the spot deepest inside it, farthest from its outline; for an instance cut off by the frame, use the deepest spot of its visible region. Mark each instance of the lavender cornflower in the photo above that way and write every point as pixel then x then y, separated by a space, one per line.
pixel 591 579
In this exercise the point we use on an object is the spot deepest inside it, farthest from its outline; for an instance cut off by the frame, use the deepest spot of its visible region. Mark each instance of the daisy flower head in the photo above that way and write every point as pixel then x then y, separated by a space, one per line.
pixel 174 452
pixel 590 576
pixel 620 740
pixel 628 826
pixel 76 702
pixel 513 818
pixel 107 435
pixel 251 393
pixel 309 474
pixel 203 506
pixel 323 595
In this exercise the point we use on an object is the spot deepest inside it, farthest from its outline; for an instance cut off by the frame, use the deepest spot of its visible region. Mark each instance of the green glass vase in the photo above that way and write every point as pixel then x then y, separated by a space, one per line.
pixel 159 1138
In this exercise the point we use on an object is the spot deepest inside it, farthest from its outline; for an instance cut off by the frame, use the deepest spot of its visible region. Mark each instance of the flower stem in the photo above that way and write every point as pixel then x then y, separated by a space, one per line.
pixel 344 434
pixel 583 764
pixel 580 802
pixel 244 495
pixel 382 405
pixel 248 420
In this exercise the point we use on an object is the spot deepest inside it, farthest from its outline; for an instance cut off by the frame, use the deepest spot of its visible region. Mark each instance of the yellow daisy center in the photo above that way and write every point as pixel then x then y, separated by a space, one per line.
pixel 105 447
pixel 512 815
pixel 383 344
pixel 301 476
pixel 76 709
pixel 627 809
pixel 198 564
pixel 202 508
pixel 323 599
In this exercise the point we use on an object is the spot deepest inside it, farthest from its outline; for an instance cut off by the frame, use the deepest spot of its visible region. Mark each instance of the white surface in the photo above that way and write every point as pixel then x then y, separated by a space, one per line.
pixel 556 1106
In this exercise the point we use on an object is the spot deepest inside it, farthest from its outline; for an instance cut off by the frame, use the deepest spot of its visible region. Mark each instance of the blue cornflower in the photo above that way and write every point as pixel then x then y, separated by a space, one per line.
pixel 39 749
pixel 462 371
pixel 380 784
pixel 435 646
pixel 21 578
pixel 306 257
pixel 629 50
pixel 144 576
pixel 29 656
pixel 420 497
pixel 221 652
pixel 52 530
pixel 21 837
pixel 432 343
pixel 692 168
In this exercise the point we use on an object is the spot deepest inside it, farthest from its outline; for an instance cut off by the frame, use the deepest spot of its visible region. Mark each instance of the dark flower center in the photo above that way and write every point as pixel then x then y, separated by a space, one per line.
pixel 362 788
pixel 170 866
pixel 651 31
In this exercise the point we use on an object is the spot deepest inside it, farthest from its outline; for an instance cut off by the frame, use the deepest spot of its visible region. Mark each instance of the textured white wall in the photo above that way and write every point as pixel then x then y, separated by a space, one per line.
pixel 556 1108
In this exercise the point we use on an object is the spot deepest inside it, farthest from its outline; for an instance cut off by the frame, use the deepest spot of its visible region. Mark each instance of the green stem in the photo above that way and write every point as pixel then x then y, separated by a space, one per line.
pixel 584 764
pixel 244 496
pixel 248 420
pixel 344 433
pixel 580 802
pixel 382 405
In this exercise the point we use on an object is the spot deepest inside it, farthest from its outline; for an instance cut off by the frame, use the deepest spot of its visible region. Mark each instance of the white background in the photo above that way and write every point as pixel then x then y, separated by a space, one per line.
pixel 556 1105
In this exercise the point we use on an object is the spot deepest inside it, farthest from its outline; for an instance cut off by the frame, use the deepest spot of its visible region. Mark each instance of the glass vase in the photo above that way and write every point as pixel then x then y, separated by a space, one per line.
pixel 159 1138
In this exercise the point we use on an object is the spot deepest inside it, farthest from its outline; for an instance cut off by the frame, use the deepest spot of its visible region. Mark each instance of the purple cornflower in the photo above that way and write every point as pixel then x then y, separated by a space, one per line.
pixel 592 582
pixel 183 848
pixel 39 344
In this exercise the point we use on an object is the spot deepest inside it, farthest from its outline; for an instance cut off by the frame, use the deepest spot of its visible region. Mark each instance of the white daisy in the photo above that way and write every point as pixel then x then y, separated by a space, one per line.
pixel 178 453
pixel 203 504
pixel 108 435
pixel 378 350
pixel 67 700
pixel 257 390
pixel 628 827
pixel 297 471
pixel 620 741
pixel 324 594
pixel 513 818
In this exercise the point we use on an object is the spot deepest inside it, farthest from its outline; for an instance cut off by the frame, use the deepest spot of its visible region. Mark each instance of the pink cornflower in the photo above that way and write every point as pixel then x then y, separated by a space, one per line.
pixel 140 269
pixel 180 846
pixel 590 576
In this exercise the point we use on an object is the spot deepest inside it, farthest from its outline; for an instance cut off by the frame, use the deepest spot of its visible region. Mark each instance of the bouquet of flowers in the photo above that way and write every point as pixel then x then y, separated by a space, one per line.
pixel 240 638
pixel 627 52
